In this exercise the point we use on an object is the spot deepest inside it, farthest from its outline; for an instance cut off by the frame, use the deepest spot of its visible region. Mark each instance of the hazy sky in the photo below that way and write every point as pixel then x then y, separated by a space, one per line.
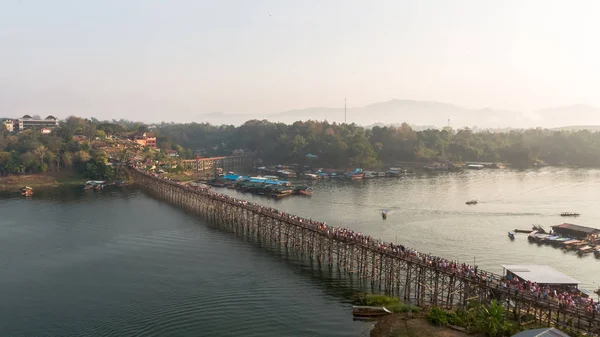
pixel 175 60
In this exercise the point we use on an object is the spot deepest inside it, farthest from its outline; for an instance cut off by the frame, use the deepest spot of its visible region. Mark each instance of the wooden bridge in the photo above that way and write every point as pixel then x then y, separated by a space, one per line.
pixel 414 279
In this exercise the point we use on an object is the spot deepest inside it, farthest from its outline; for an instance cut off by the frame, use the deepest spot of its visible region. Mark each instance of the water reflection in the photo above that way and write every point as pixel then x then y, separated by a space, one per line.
pixel 119 263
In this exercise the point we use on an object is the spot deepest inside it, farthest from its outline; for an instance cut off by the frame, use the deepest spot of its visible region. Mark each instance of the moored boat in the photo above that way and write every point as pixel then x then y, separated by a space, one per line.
pixel 94 185
pixel 585 249
pixel 569 214
pixel 369 174
pixel 471 202
pixel 511 235
pixel 218 182
pixel 303 190
pixel 367 312
pixel 357 176
pixel 538 228
pixel 539 237
pixel 27 191
pixel 574 244
pixel 559 241
pixel 280 192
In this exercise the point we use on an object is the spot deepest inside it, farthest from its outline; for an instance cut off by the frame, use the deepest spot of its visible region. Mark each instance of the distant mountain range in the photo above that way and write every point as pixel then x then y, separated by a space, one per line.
pixel 413 112
pixel 427 114
pixel 593 128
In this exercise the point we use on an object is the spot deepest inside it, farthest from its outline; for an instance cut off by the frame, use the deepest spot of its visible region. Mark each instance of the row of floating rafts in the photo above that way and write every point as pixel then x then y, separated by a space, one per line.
pixel 261 185
pixel 356 174
pixel 276 191
pixel 582 247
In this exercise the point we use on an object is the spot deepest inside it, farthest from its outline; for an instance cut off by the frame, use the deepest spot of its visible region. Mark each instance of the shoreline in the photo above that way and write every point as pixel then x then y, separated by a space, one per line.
pixel 14 183
pixel 402 325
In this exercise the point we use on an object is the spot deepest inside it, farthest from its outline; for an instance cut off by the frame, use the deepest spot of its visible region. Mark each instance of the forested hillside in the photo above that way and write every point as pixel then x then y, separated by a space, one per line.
pixel 334 145
pixel 31 151
pixel 343 145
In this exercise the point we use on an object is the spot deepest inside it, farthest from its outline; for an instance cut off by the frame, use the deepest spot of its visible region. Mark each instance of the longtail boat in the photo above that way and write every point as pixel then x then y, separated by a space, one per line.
pixel 366 311
pixel 569 214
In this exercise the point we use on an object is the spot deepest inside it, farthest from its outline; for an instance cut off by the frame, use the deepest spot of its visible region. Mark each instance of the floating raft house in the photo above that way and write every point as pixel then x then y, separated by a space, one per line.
pixel 231 177
pixel 542 274
pixel 574 231
pixel 267 181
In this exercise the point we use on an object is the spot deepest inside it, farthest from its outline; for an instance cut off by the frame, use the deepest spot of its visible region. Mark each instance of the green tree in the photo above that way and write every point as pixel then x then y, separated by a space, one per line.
pixel 41 152
pixel 101 134
pixel 5 158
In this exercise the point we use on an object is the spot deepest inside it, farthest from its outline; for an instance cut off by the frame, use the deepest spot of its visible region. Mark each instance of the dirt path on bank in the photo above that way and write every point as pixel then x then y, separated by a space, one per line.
pixel 398 325
pixel 14 183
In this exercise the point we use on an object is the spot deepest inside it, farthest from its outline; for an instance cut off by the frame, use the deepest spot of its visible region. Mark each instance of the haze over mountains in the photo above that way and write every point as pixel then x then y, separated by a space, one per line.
pixel 427 113
pixel 419 114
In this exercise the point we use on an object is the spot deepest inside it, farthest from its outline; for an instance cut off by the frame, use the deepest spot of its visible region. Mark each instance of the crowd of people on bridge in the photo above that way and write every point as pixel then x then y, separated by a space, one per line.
pixel 566 298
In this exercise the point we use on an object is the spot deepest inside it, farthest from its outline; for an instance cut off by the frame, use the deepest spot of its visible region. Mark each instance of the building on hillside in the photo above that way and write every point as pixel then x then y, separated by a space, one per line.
pixel 27 122
pixel 171 153
pixel 9 124
pixel 46 131
pixel 143 138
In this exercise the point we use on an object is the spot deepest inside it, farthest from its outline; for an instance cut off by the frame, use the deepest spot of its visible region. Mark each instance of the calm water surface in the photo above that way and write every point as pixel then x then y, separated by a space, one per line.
pixel 428 213
pixel 83 263
pixel 116 262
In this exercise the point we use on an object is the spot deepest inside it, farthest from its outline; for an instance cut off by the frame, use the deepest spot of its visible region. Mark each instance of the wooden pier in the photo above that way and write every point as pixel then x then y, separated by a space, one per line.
pixel 414 280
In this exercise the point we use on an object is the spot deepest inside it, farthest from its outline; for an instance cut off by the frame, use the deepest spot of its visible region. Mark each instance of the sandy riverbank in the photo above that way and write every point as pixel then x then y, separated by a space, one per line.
pixel 16 182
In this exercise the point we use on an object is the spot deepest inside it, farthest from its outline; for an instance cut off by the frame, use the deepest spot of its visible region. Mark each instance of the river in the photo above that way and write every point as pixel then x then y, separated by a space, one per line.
pixel 427 212
pixel 116 262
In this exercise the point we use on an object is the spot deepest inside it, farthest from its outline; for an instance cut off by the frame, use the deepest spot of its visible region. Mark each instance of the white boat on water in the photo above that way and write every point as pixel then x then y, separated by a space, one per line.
pixel 368 311
pixel 369 174
pixel 95 182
